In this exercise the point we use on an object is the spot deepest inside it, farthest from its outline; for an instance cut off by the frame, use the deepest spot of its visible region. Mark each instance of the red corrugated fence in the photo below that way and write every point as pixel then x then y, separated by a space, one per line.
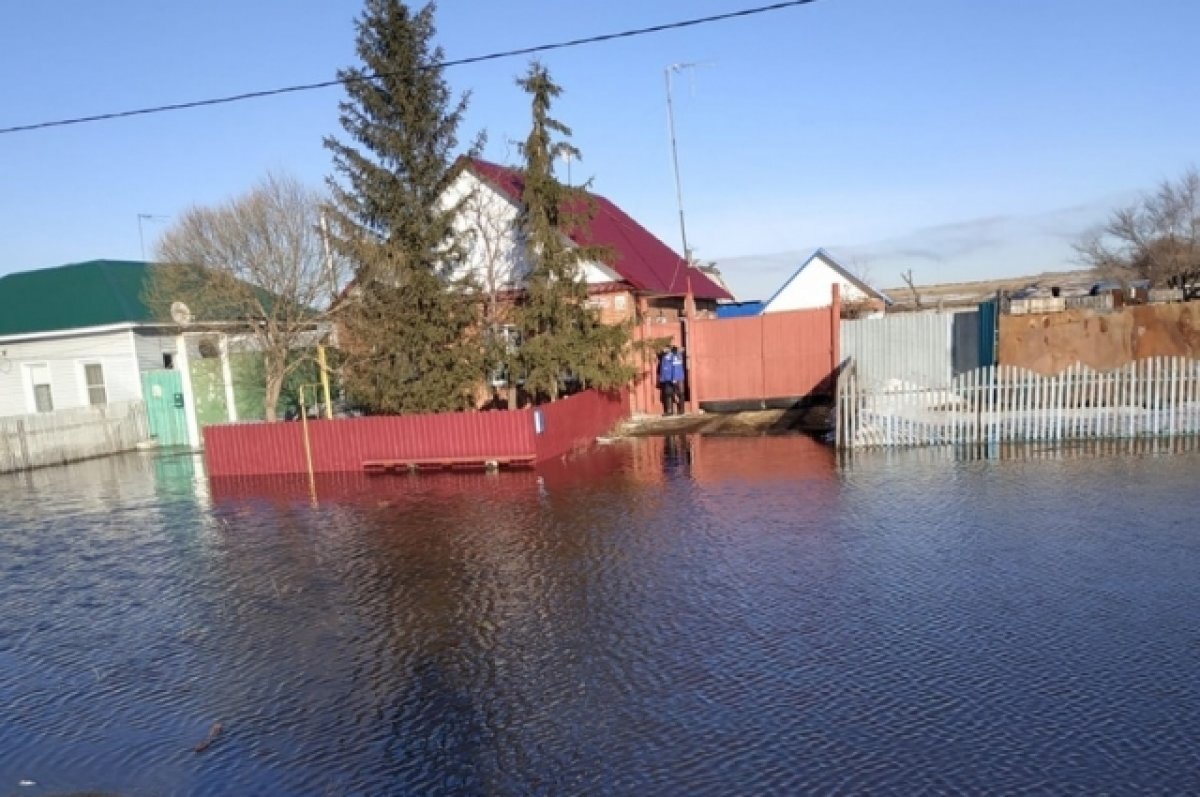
pixel 563 425
pixel 348 444
pixel 792 354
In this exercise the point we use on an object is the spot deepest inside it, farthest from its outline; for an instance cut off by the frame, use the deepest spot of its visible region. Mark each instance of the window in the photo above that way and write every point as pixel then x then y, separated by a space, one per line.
pixel 39 381
pixel 168 360
pixel 42 398
pixel 510 337
pixel 93 374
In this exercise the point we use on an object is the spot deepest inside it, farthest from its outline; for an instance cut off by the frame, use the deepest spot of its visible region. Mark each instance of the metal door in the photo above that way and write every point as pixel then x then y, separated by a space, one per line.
pixel 163 391
pixel 989 322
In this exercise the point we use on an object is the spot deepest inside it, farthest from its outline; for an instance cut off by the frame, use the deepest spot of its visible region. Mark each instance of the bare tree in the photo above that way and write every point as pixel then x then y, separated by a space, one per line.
pixel 489 235
pixel 490 232
pixel 1156 238
pixel 908 280
pixel 255 265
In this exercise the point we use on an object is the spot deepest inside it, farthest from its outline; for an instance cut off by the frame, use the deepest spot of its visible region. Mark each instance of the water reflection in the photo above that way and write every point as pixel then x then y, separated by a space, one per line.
pixel 684 615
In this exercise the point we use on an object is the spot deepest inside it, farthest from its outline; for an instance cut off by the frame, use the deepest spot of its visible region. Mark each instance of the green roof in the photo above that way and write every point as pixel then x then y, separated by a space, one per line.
pixel 91 294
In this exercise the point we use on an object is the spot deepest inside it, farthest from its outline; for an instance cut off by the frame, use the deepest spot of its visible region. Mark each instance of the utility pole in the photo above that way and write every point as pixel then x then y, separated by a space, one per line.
pixel 141 235
pixel 689 302
pixel 671 70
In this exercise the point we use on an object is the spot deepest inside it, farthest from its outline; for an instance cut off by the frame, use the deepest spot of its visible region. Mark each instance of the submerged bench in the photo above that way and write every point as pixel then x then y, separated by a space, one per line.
pixel 382 466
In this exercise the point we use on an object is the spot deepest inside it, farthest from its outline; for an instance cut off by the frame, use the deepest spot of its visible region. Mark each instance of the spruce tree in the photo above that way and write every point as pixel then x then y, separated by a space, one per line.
pixel 410 330
pixel 562 339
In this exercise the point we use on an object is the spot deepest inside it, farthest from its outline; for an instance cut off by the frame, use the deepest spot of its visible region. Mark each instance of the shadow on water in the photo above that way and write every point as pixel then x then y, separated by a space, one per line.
pixel 682 614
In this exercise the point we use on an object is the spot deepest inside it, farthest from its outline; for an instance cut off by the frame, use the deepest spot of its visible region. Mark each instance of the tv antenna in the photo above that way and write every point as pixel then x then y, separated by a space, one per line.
pixel 141 236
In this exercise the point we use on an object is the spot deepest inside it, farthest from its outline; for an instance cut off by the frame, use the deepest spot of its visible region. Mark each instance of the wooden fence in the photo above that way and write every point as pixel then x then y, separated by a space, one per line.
pixel 55 438
pixel 1156 397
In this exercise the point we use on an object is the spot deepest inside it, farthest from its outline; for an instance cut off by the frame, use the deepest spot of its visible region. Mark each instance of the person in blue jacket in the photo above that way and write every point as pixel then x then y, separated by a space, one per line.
pixel 671 379
pixel 677 378
pixel 666 381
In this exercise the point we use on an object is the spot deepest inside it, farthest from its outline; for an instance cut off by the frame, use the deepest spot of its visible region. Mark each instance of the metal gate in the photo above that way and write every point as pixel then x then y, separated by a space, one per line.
pixel 989 322
pixel 163 391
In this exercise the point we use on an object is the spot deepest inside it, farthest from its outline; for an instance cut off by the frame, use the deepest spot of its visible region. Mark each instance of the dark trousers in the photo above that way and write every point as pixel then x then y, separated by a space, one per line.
pixel 667 392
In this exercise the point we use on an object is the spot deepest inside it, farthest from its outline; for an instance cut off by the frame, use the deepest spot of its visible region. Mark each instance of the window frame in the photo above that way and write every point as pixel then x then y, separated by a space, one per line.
pixel 31 393
pixel 88 387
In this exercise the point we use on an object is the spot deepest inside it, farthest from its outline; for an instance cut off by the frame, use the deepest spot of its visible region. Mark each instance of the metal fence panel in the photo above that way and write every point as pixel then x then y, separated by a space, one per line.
pixel 989 321
pixel 776 356
pixel 964 346
pixel 910 349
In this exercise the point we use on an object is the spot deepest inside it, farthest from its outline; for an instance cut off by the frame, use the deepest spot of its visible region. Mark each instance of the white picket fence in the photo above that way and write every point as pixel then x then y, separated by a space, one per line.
pixel 54 438
pixel 1157 397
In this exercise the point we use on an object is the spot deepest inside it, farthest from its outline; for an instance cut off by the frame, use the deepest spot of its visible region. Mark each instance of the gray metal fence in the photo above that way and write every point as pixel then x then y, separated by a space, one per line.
pixel 909 349
pixel 54 438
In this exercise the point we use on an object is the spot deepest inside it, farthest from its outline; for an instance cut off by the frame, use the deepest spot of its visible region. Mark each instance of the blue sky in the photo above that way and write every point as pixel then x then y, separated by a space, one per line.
pixel 961 139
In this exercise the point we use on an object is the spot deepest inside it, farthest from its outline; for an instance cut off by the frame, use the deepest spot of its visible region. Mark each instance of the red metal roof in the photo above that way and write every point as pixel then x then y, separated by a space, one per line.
pixel 640 259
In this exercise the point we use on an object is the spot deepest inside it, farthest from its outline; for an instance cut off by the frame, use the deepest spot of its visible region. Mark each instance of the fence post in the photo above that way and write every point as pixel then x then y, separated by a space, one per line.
pixel 690 369
pixel 23 444
pixel 835 329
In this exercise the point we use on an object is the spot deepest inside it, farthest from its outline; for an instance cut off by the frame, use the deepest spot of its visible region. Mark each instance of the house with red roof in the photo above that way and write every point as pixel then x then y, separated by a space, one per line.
pixel 642 279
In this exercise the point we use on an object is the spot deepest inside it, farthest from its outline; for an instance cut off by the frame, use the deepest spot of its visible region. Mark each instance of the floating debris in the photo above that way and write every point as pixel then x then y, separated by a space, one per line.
pixel 213 733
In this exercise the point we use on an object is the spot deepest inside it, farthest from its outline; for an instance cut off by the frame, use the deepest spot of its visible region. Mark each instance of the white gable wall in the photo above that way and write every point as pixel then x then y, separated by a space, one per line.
pixel 812 287
pixel 65 358
pixel 496 256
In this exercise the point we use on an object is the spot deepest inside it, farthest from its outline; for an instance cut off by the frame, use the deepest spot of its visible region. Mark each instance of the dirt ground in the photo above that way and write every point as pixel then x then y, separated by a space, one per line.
pixel 810 420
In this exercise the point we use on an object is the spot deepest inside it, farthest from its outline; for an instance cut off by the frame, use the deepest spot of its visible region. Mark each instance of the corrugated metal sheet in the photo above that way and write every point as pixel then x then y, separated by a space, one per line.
pixel 772 356
pixel 343 445
pixel 911 348
pixel 576 421
pixel 740 309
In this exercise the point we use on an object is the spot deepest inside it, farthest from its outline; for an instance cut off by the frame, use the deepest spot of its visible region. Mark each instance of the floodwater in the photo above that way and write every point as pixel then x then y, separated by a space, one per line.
pixel 680 616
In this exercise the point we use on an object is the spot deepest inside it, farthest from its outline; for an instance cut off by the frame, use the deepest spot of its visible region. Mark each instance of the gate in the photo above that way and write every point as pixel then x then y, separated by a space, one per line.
pixel 989 323
pixel 164 407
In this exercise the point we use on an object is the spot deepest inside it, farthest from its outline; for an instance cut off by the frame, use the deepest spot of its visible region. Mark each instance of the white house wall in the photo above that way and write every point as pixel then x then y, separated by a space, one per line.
pixel 495 255
pixel 65 358
pixel 151 348
pixel 812 288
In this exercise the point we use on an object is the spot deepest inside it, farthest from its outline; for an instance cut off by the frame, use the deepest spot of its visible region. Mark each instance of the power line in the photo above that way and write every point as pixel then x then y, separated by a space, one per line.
pixel 477 59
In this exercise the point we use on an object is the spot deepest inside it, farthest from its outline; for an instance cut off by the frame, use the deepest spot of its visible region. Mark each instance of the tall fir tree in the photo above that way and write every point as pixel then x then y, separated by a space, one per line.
pixel 562 339
pixel 411 342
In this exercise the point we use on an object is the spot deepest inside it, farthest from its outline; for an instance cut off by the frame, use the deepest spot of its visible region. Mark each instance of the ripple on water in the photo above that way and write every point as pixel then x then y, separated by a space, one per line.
pixel 687 616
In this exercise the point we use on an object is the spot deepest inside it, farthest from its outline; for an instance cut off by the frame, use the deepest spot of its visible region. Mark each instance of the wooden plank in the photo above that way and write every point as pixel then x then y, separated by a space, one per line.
pixel 443 463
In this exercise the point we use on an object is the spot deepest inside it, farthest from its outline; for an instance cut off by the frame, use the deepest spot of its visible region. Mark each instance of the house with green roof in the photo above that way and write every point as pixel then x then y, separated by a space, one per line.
pixel 78 335
pixel 84 335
